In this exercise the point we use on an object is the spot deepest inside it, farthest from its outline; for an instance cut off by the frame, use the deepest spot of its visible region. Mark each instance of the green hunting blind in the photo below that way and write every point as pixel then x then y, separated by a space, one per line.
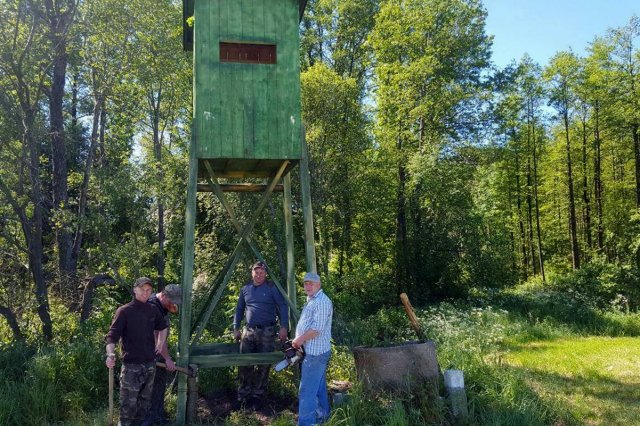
pixel 246 84
pixel 247 136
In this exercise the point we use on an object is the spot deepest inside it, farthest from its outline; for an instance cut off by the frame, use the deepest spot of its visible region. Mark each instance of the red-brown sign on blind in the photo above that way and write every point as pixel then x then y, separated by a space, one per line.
pixel 248 53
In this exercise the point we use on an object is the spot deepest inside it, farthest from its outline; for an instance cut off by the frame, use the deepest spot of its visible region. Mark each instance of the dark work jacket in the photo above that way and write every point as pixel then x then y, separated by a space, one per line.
pixel 134 324
pixel 260 304
pixel 154 301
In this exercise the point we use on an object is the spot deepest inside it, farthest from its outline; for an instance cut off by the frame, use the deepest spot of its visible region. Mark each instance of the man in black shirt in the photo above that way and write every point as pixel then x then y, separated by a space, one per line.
pixel 134 326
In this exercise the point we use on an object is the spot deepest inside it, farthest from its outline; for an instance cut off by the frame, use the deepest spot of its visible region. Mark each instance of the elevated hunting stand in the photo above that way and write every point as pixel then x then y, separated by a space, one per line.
pixel 246 125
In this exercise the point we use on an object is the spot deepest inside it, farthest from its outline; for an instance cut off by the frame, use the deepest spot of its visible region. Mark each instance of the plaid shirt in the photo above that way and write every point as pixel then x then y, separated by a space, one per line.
pixel 316 315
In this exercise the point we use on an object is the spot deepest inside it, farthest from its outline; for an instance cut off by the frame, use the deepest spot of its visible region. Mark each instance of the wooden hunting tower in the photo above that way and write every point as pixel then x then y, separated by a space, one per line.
pixel 246 125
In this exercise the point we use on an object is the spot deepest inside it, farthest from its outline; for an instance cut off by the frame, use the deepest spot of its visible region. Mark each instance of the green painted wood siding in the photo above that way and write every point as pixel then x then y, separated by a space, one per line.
pixel 247 111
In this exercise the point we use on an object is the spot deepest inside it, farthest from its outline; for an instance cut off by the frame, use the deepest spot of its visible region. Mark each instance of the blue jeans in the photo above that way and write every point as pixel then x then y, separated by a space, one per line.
pixel 313 406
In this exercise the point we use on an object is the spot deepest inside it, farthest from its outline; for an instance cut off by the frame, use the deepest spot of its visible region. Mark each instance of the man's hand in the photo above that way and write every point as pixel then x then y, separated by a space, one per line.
pixel 236 335
pixel 110 362
pixel 171 366
pixel 297 342
pixel 111 355
pixel 282 334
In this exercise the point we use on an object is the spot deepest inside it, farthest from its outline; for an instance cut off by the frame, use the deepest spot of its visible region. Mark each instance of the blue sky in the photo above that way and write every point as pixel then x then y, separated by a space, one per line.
pixel 543 27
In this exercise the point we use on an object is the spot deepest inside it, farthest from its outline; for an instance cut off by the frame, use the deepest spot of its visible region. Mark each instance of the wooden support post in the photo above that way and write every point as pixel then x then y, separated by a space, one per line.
pixel 214 186
pixel 192 399
pixel 291 272
pixel 244 235
pixel 187 280
pixel 305 183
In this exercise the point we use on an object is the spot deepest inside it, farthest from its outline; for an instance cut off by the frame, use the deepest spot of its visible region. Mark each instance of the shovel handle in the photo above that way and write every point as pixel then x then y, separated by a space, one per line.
pixel 412 316
pixel 110 420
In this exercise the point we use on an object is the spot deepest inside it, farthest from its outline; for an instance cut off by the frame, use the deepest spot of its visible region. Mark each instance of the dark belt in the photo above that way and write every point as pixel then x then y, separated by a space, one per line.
pixel 261 327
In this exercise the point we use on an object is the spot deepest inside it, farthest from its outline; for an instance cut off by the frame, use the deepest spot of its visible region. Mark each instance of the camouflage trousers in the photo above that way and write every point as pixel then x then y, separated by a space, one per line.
pixel 157 413
pixel 252 379
pixel 136 386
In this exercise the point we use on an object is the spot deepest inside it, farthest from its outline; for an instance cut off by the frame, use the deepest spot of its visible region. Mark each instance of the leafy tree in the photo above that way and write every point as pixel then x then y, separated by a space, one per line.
pixel 562 74
pixel 428 59
pixel 626 76
pixel 25 63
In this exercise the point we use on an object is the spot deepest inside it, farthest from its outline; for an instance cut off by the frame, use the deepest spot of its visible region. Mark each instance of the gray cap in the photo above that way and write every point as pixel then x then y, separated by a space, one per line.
pixel 142 281
pixel 311 276
pixel 174 293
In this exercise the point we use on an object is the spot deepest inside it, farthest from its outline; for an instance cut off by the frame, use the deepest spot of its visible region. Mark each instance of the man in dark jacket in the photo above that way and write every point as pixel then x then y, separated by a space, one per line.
pixel 166 302
pixel 134 326
pixel 259 302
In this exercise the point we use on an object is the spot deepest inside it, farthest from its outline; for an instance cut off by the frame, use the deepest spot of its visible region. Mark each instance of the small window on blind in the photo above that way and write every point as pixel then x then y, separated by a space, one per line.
pixel 248 53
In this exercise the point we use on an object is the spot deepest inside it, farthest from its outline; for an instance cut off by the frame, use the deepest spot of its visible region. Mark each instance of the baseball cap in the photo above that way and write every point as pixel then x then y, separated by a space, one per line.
pixel 174 293
pixel 311 276
pixel 259 264
pixel 142 281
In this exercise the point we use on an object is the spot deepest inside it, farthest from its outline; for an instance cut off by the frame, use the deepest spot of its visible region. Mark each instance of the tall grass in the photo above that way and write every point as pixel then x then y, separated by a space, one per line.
pixel 66 382
pixel 475 336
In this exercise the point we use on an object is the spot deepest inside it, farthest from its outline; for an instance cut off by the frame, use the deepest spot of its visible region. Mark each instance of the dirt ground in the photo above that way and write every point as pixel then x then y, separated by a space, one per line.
pixel 216 407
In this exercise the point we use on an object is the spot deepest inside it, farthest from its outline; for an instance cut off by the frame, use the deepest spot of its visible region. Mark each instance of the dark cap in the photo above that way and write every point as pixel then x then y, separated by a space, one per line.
pixel 173 292
pixel 259 264
pixel 142 281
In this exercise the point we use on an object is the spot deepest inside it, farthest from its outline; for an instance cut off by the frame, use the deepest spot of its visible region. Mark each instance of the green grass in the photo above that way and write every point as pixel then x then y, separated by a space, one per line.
pixel 596 378
pixel 528 357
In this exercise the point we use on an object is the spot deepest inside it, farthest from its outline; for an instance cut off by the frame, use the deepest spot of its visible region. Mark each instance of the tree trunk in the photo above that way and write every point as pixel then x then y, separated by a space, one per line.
pixel 401 221
pixel 32 227
pixel 636 151
pixel 8 314
pixel 345 239
pixel 57 35
pixel 155 99
pixel 523 237
pixel 585 187
pixel 530 202
pixel 597 177
pixel 84 189
pixel 536 202
pixel 279 246
pixel 89 293
pixel 573 233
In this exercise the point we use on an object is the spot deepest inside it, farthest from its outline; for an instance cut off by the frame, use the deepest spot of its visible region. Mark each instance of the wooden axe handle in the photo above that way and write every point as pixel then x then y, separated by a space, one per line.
pixel 180 369
pixel 412 316
pixel 110 420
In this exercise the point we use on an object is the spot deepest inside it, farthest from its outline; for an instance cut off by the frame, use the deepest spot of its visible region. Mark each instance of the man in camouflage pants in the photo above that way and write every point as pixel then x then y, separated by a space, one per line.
pixel 259 301
pixel 133 326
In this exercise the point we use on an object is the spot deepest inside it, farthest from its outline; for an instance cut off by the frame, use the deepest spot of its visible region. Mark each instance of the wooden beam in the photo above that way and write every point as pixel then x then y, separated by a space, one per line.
pixel 244 233
pixel 187 280
pixel 213 183
pixel 229 360
pixel 239 187
pixel 291 266
pixel 305 183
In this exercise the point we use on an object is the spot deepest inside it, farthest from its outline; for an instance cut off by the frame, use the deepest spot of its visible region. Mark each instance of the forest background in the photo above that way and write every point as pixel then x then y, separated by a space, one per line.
pixel 433 172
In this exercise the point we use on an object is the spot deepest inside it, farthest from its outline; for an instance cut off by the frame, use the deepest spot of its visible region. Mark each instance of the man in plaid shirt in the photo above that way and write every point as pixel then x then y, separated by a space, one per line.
pixel 314 332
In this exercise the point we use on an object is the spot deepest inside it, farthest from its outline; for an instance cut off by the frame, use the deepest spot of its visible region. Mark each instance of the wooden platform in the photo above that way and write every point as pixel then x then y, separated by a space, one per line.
pixel 228 354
